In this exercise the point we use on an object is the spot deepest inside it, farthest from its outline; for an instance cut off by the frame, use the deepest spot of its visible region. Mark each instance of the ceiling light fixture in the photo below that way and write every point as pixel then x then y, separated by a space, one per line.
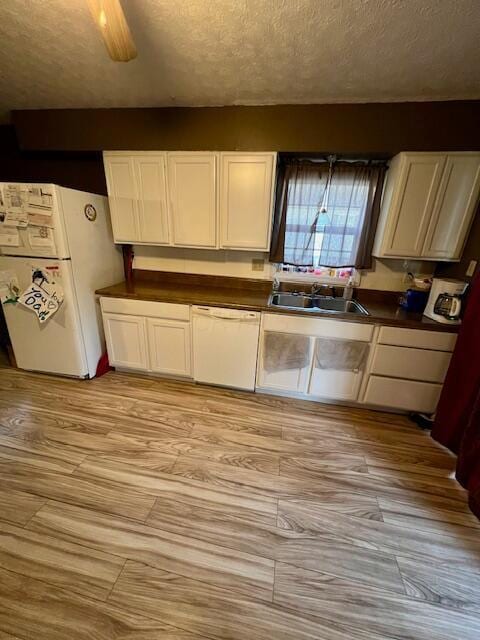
pixel 110 19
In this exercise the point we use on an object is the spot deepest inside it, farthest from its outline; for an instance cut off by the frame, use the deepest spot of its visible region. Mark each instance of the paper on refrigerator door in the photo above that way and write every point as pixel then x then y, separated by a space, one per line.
pixel 9 288
pixel 44 296
pixel 35 299
pixel 40 220
pixel 38 200
pixel 16 219
pixel 41 237
pixel 9 236
pixel 14 197
pixel 26 204
pixel 50 287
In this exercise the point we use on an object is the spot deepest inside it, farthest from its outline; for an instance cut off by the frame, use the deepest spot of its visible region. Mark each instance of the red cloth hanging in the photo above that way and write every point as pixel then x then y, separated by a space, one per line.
pixel 457 422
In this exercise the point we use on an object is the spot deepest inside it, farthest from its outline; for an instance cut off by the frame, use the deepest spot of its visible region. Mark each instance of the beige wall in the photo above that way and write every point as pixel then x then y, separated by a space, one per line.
pixel 202 261
pixel 386 274
pixel 389 275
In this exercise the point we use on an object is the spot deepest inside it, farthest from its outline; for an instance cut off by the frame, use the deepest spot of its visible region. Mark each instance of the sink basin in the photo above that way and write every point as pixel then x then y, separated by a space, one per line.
pixel 339 305
pixel 316 303
pixel 296 300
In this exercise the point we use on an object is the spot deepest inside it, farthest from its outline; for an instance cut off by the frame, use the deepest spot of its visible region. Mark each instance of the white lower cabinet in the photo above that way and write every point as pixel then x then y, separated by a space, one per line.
pixel 159 340
pixel 126 341
pixel 169 346
pixel 396 368
pixel 386 367
pixel 310 380
pixel 408 368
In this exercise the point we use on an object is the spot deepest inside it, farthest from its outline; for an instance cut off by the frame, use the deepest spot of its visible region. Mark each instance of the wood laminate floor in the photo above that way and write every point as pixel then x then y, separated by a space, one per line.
pixel 134 508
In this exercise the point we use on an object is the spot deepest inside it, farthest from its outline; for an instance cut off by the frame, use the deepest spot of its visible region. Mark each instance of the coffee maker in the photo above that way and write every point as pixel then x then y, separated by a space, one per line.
pixel 445 300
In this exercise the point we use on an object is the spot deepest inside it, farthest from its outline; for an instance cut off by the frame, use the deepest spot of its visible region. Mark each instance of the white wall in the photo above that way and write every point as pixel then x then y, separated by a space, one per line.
pixel 386 274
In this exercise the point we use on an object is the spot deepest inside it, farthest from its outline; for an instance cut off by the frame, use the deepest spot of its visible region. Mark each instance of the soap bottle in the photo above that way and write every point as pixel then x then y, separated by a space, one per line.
pixel 348 290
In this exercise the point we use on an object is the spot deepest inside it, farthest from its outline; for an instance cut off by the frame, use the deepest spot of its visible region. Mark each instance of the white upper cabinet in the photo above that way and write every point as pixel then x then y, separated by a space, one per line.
pixel 137 193
pixel 428 204
pixel 150 178
pixel 122 197
pixel 412 185
pixel 246 192
pixel 455 206
pixel 192 187
pixel 203 200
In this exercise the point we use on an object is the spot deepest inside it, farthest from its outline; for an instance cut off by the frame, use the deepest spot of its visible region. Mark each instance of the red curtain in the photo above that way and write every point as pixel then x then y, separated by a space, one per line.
pixel 457 423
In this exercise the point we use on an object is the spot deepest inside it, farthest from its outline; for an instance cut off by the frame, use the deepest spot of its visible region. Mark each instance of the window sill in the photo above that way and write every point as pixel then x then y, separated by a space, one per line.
pixel 310 278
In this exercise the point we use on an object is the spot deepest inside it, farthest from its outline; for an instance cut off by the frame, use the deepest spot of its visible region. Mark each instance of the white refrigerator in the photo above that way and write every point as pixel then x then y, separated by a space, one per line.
pixel 77 250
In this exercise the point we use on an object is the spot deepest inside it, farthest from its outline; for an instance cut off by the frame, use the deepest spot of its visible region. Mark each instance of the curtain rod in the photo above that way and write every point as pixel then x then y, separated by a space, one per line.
pixel 334 159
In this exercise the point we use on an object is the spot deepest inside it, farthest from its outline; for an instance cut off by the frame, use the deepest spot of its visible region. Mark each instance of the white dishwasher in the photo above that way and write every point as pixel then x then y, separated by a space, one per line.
pixel 225 344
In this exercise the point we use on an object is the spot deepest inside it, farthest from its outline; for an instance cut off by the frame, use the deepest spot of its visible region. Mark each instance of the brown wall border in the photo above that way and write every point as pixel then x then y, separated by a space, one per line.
pixel 376 128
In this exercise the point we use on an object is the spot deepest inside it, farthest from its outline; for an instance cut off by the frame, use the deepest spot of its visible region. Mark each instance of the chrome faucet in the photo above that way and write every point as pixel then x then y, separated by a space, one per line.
pixel 276 285
pixel 317 287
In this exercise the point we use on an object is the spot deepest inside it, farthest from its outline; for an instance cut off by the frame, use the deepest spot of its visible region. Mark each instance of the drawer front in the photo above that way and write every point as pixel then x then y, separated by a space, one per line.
pixel 323 327
pixel 436 340
pixel 407 395
pixel 146 308
pixel 412 364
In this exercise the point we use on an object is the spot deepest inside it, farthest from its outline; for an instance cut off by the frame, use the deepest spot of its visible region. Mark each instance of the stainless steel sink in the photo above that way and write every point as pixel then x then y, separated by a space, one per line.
pixel 316 303
pixel 339 305
pixel 296 300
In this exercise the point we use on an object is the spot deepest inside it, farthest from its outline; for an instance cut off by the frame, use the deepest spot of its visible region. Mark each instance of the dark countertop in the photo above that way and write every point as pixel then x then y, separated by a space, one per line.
pixel 253 295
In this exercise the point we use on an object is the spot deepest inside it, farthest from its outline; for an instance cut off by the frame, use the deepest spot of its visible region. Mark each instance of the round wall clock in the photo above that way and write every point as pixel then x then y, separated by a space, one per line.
pixel 90 212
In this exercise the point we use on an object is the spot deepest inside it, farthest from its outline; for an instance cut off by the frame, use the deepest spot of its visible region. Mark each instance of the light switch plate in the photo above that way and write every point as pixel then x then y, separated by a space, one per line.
pixel 471 268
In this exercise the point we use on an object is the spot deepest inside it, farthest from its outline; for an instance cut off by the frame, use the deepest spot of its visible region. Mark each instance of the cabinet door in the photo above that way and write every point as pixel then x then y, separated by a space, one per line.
pixel 335 385
pixel 152 197
pixel 126 340
pixel 412 204
pixel 289 379
pixel 122 197
pixel 192 186
pixel 246 185
pixel 169 346
pixel 454 207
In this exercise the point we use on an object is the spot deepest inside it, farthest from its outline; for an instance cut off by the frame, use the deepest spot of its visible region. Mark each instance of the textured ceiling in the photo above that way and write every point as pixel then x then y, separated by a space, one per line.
pixel 216 52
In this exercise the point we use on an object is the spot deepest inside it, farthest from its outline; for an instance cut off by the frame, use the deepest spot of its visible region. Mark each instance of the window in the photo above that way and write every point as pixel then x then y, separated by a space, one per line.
pixel 315 274
pixel 328 214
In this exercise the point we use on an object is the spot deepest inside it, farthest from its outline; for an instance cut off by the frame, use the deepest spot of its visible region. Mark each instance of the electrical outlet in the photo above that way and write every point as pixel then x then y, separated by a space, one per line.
pixel 471 268
pixel 258 264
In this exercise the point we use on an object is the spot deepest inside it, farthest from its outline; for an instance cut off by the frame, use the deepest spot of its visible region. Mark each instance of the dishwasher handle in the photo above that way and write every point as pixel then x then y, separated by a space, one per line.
pixel 227 314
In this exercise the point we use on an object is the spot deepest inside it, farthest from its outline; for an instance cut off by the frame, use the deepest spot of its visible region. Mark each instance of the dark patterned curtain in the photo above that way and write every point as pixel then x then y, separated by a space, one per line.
pixel 327 215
